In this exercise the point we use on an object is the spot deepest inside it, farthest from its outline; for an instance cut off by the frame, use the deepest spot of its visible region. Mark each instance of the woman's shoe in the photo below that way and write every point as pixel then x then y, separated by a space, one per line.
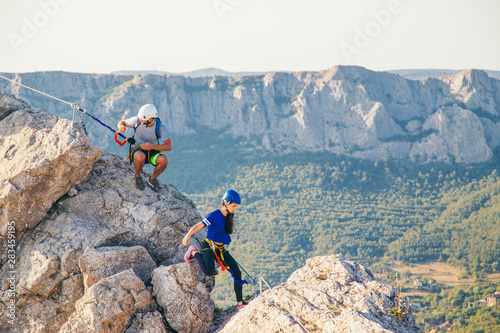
pixel 188 256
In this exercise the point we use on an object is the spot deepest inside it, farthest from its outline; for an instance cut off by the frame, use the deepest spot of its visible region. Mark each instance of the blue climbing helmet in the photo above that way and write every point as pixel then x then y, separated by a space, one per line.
pixel 232 196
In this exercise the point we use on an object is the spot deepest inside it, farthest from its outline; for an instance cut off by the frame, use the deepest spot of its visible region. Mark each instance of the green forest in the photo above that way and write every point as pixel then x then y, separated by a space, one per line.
pixel 300 205
pixel 461 307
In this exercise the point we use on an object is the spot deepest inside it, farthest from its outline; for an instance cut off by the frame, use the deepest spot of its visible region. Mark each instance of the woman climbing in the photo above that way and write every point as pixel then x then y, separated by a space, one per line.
pixel 220 226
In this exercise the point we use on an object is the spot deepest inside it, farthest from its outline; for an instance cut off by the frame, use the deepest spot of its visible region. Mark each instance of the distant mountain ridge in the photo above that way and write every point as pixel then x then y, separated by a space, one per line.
pixel 195 73
pixel 416 74
pixel 413 74
pixel 345 110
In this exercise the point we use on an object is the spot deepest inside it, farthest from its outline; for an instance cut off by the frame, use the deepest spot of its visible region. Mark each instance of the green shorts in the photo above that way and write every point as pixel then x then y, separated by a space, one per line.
pixel 151 155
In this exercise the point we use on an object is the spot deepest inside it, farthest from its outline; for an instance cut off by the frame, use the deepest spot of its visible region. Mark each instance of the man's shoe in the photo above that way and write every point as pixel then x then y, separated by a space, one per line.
pixel 154 184
pixel 139 183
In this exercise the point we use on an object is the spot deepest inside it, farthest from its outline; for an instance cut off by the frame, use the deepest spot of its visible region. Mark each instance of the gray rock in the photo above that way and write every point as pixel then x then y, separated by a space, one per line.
pixel 104 228
pixel 108 305
pixel 459 136
pixel 413 126
pixel 9 104
pixel 96 264
pixel 43 156
pixel 119 226
pixel 150 322
pixel 186 302
pixel 43 278
pixel 330 294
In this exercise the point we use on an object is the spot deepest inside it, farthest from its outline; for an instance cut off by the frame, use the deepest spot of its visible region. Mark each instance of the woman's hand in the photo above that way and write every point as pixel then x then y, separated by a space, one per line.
pixel 191 232
pixel 186 240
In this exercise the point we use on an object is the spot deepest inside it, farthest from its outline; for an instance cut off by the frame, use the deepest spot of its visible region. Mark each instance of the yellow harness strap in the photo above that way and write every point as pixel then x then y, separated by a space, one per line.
pixel 221 250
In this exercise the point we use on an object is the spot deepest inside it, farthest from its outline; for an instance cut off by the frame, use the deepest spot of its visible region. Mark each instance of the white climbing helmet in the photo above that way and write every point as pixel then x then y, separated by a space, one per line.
pixel 147 111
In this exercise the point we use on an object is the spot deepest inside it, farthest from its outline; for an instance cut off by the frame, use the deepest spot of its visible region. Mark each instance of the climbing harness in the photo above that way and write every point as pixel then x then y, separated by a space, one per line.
pixel 81 112
pixel 220 260
pixel 131 140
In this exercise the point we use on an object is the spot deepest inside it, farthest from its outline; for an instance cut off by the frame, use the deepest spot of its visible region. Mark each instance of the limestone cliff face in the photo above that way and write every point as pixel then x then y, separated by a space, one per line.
pixel 345 110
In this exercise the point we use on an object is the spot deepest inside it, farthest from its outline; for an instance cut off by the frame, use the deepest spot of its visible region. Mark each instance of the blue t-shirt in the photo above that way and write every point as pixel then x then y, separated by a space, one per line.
pixel 215 223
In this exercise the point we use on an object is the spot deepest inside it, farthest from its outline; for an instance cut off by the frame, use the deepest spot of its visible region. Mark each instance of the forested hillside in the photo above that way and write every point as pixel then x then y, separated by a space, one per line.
pixel 462 308
pixel 300 205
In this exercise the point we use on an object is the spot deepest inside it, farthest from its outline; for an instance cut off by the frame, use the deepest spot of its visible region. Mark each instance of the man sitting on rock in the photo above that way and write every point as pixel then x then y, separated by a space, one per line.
pixel 148 133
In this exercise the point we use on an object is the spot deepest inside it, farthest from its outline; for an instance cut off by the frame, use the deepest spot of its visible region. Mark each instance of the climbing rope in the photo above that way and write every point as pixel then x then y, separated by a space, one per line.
pixel 182 197
pixel 251 277
pixel 74 106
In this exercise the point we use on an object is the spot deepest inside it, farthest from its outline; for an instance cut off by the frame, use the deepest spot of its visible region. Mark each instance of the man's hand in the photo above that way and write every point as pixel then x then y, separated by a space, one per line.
pixel 121 127
pixel 147 146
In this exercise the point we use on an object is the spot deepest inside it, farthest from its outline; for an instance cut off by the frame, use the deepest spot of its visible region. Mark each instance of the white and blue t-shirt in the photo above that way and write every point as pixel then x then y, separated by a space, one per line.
pixel 215 222
pixel 144 133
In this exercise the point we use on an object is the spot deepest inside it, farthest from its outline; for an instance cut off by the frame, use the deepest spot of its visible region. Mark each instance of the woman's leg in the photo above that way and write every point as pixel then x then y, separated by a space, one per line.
pixel 206 259
pixel 233 265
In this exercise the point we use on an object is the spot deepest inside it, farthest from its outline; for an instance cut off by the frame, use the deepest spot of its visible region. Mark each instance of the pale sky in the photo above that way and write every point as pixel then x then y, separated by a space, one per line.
pixel 101 36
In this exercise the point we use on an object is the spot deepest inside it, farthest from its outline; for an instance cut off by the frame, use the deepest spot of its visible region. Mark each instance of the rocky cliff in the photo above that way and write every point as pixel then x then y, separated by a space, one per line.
pixel 82 242
pixel 330 294
pixel 344 110
pixel 106 257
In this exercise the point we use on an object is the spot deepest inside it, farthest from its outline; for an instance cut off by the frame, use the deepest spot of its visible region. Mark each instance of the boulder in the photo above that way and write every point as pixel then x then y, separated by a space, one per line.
pixel 330 294
pixel 185 300
pixel 43 156
pixel 150 322
pixel 108 305
pixel 37 313
pixel 9 104
pixel 43 278
pixel 100 263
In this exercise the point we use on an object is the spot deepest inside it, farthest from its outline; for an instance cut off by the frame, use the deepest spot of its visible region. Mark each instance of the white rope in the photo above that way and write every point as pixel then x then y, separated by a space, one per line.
pixel 281 302
pixel 22 85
